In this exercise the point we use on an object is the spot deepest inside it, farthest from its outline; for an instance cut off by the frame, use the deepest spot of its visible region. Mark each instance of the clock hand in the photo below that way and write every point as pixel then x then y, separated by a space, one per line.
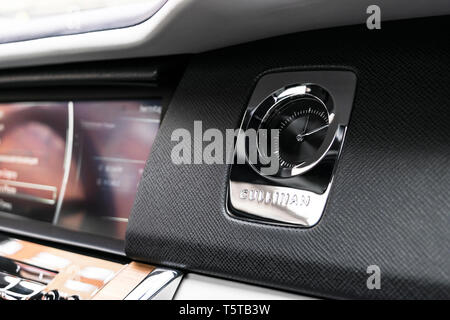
pixel 306 122
pixel 301 136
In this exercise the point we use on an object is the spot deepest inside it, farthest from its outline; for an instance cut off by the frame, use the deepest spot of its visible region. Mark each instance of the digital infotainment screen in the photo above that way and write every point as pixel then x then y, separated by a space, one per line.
pixel 75 164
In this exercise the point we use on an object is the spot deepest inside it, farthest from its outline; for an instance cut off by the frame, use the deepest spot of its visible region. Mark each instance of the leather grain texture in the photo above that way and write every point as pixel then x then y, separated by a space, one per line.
pixel 390 202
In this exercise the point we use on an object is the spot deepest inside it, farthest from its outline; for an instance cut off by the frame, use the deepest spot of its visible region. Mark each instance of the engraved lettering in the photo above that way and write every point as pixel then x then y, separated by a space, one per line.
pixel 306 200
pixel 260 196
pixel 293 200
pixel 268 198
pixel 276 198
pixel 283 199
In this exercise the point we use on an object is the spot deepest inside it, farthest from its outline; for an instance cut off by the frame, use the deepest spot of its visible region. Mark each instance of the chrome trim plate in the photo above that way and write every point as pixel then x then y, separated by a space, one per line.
pixel 160 284
pixel 296 196
pixel 288 205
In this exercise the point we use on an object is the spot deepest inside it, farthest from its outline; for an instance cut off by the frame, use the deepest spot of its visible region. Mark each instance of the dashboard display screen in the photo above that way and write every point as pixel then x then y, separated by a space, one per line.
pixel 75 164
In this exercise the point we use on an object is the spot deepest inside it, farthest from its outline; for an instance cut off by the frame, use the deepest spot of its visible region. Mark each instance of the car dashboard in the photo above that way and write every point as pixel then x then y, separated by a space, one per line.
pixel 112 185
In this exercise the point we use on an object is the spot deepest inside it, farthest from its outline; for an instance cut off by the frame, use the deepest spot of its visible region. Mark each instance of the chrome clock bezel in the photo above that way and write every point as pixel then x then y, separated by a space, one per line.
pixel 278 99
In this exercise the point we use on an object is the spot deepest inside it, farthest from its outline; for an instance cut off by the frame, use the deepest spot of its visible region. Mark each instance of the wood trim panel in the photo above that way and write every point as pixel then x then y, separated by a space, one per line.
pixel 87 277
pixel 129 277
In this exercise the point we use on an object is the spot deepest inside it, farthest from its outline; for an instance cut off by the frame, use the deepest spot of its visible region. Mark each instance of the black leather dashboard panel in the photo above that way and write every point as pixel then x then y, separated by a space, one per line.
pixel 390 203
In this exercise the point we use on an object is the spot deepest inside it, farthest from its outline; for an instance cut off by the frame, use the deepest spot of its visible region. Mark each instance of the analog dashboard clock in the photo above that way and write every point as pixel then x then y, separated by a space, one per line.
pixel 300 127
pixel 295 124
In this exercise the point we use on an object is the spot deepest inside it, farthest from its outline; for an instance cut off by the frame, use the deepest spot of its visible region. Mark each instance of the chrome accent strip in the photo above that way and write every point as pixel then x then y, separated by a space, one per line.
pixel 160 284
